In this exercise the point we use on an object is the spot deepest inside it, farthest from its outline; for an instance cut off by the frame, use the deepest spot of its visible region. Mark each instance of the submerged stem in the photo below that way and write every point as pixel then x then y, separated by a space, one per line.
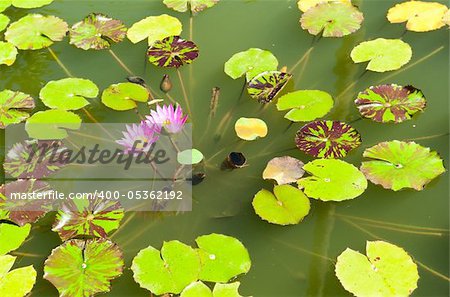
pixel 120 62
pixel 302 58
pixel 61 64
pixel 183 89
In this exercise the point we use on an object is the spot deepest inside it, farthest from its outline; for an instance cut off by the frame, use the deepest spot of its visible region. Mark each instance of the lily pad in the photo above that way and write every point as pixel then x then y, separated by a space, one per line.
pixel 35 31
pixel 250 62
pixel 195 6
pixel 97 31
pixel 13 107
pixel 154 28
pixel 199 289
pixel 84 268
pixel 168 271
pixel 332 19
pixel 4 21
pixel 93 217
pixel 250 128
pixel 18 282
pixel 8 53
pixel 172 51
pixel 123 96
pixel 446 18
pixel 305 5
pixel 305 105
pixel 396 165
pixel 51 124
pixel 287 207
pixel 419 16
pixel 190 157
pixel 387 270
pixel 390 103
pixel 285 170
pixel 267 85
pixel 68 93
pixel 222 257
pixel 332 180
pixel 12 237
pixel 327 139
pixel 23 3
pixel 382 54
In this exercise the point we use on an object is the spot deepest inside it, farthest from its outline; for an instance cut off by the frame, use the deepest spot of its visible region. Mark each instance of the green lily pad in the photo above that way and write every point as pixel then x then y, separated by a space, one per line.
pixel 172 51
pixel 35 31
pixel 68 93
pixel 327 139
pixel 267 85
pixel 250 62
pixel 305 105
pixel 287 207
pixel 396 165
pixel 13 107
pixel 195 6
pixel 4 21
pixel 84 268
pixel 332 180
pixel 8 53
pixel 285 170
pixel 222 257
pixel 332 19
pixel 390 103
pixel 199 289
pixel 190 157
pixel 154 28
pixel 123 96
pixel 168 271
pixel 95 217
pixel 51 124
pixel 18 282
pixel 97 31
pixel 387 270
pixel 12 237
pixel 382 54
pixel 26 3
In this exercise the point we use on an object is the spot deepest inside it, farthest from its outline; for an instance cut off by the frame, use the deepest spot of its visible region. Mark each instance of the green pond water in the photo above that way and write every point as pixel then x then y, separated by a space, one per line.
pixel 287 261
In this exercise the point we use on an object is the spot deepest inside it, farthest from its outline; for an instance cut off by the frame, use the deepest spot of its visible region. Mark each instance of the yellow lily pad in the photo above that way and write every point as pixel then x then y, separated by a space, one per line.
pixel 304 5
pixel 250 128
pixel 446 18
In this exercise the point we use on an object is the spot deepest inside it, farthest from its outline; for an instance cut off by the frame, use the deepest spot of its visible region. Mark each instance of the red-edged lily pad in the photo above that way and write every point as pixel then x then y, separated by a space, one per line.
pixel 266 86
pixel 172 52
pixel 327 139
pixel 13 107
pixel 390 103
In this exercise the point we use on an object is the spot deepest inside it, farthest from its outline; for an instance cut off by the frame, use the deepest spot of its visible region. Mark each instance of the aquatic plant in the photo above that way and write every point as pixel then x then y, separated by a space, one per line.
pixel 305 105
pixel 23 3
pixel 199 289
pixel 139 137
pixel 194 6
pixel 305 5
pixel 284 170
pixel 123 96
pixel 266 86
pixel 12 237
pixel 172 51
pixel 154 28
pixel 250 128
pixel 168 117
pixel 14 107
pixel 8 53
pixel 60 120
pixel 251 63
pixel 190 157
pixel 17 282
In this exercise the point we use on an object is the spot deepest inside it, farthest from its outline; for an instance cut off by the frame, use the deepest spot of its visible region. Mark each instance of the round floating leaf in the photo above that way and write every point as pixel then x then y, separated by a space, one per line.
pixel 250 62
pixel 267 85
pixel 250 128
pixel 287 207
pixel 197 289
pixel 12 237
pixel 285 170
pixel 190 157
pixel 29 3
pixel 170 271
pixel 18 282
pixel 172 52
pixel 4 4
pixel 195 6
pixel 227 290
pixel 332 19
pixel 83 268
pixel 305 5
pixel 97 31
pixel 332 180
pixel 387 270
pixel 420 16
pixel 154 28
pixel 68 93
pixel 222 257
pixel 123 96
pixel 8 53
pixel 327 139
pixel 4 21
pixel 35 31
pixel 94 217
pixel 13 107
pixel 305 105
pixel 446 18
pixel 383 54
pixel 390 103
pixel 397 165
pixel 51 124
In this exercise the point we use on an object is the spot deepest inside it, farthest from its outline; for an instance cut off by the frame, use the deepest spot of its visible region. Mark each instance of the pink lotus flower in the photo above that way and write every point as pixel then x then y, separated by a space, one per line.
pixel 169 117
pixel 139 138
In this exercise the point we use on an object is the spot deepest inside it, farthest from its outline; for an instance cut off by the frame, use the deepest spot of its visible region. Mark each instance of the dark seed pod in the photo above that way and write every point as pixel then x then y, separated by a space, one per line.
pixel 234 160
pixel 166 84
pixel 198 178
pixel 136 80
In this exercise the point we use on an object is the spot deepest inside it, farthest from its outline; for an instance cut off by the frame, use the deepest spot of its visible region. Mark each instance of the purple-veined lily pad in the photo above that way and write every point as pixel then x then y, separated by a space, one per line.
pixel 51 124
pixel 94 217
pixel 327 139
pixel 97 31
pixel 265 86
pixel 390 103
pixel 195 6
pixel 13 107
pixel 332 19
pixel 397 165
pixel 285 170
pixel 17 282
pixel 172 52
pixel 123 96
pixel 35 31
pixel 84 268
pixel 12 237
pixel 8 53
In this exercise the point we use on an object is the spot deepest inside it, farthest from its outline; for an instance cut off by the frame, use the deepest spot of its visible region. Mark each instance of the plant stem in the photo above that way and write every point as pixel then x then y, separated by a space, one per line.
pixel 63 67
pixel 120 62
pixel 302 58
pixel 186 100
